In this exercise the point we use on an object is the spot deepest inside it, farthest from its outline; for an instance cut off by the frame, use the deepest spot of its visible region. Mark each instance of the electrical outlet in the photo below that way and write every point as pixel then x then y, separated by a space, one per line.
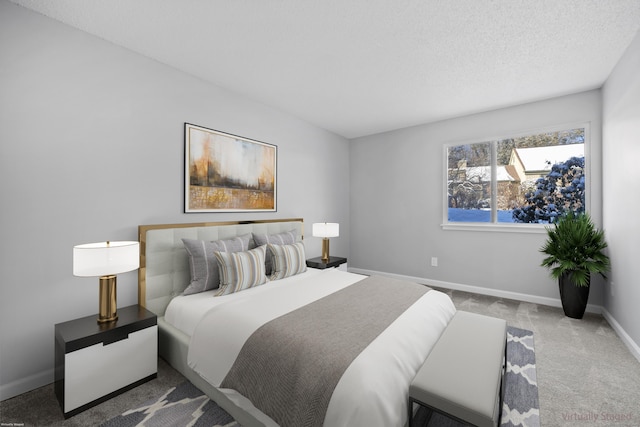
pixel 611 287
pixel 434 261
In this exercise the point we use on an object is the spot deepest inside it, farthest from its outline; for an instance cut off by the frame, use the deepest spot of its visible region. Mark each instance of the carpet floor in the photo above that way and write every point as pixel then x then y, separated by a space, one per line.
pixel 185 405
pixel 586 375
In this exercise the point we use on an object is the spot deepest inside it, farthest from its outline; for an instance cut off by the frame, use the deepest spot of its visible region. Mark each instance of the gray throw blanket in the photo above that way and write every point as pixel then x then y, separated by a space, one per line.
pixel 290 366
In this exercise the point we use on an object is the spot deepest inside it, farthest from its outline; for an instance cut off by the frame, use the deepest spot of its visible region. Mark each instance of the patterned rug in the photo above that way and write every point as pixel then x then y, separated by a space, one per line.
pixel 185 405
pixel 520 406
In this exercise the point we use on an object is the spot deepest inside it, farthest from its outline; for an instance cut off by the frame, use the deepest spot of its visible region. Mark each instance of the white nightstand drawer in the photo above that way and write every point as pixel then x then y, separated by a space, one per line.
pixel 95 371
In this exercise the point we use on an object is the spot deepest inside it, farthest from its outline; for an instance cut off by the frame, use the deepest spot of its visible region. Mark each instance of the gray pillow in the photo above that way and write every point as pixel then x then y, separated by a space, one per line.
pixel 203 264
pixel 284 238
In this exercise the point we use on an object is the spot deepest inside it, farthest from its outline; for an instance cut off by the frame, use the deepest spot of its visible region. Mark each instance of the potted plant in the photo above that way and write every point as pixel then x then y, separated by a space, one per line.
pixel 575 251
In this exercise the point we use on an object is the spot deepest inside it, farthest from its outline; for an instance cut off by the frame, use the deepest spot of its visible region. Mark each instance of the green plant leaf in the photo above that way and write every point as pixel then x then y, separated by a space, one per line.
pixel 575 246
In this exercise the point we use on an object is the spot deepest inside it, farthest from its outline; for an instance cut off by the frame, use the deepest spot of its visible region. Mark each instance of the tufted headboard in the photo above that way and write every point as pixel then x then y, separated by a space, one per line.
pixel 164 264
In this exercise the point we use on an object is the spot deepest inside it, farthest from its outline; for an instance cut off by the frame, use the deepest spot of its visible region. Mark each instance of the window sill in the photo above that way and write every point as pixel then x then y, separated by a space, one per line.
pixel 492 227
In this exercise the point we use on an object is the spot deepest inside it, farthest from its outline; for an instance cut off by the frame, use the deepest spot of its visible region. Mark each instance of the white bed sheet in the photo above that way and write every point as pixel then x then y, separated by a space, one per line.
pixel 186 311
pixel 373 390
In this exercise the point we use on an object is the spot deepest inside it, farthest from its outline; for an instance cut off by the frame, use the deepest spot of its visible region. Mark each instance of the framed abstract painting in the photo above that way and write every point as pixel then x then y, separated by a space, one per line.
pixel 228 173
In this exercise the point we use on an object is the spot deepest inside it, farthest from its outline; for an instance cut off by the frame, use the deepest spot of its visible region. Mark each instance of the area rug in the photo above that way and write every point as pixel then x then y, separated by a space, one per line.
pixel 185 405
pixel 520 405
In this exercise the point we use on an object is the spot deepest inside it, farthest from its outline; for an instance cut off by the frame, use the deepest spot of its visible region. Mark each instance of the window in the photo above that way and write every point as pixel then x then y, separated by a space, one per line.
pixel 526 179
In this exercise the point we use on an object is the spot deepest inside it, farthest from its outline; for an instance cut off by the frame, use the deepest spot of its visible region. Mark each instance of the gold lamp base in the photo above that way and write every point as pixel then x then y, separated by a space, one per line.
pixel 108 297
pixel 325 250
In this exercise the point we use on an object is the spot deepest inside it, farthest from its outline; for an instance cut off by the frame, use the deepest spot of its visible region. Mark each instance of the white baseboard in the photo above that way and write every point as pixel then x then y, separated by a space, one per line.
pixel 626 339
pixel 41 379
pixel 553 302
pixel 23 385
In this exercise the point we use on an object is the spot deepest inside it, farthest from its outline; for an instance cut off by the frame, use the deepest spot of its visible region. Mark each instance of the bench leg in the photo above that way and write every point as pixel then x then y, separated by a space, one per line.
pixel 410 419
pixel 502 390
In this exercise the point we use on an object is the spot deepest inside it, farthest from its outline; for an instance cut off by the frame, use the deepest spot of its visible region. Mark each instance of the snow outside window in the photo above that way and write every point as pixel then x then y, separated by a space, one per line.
pixel 518 180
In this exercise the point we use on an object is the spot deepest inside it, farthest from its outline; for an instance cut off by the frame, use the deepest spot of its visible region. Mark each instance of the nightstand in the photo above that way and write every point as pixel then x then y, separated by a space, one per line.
pixel 94 362
pixel 334 261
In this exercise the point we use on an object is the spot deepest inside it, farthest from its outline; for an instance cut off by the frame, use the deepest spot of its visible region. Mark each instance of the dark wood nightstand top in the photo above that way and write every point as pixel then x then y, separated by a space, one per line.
pixel 86 331
pixel 334 261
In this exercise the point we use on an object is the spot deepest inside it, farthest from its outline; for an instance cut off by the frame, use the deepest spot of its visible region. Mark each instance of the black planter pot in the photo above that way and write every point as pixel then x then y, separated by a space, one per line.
pixel 574 298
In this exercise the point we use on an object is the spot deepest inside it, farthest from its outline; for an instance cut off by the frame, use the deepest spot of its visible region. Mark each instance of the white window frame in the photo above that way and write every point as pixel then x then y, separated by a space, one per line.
pixel 503 226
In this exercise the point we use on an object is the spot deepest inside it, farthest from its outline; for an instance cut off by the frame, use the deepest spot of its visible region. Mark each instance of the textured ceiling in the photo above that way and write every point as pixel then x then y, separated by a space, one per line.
pixel 358 67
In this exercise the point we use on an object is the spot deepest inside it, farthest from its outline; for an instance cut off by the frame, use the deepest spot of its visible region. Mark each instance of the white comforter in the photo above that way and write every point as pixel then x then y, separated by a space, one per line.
pixel 373 390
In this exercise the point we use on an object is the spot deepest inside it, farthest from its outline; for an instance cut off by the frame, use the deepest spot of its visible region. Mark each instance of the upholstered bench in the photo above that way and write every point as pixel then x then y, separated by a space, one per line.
pixel 462 376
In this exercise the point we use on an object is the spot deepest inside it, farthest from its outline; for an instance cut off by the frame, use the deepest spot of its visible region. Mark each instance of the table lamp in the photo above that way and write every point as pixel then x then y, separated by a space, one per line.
pixel 325 230
pixel 105 260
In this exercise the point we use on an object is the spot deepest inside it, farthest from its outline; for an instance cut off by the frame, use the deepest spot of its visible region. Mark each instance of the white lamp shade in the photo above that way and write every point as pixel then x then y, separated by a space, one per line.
pixel 325 229
pixel 105 258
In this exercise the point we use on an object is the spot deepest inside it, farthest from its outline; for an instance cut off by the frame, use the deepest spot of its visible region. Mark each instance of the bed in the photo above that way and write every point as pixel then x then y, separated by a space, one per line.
pixel 357 375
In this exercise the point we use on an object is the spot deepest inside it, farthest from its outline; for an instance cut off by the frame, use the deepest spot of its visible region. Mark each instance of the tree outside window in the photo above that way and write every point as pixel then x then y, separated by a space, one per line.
pixel 525 179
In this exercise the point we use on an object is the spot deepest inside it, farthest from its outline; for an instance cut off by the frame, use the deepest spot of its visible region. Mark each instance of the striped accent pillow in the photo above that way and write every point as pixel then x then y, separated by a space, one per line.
pixel 240 270
pixel 284 238
pixel 203 265
pixel 288 260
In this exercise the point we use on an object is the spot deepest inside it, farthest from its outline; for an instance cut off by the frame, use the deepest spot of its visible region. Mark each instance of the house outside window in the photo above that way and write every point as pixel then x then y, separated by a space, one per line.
pixel 526 179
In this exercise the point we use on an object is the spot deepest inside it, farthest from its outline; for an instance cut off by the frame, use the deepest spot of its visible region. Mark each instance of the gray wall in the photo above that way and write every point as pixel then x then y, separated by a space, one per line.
pixel 621 136
pixel 397 204
pixel 91 147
